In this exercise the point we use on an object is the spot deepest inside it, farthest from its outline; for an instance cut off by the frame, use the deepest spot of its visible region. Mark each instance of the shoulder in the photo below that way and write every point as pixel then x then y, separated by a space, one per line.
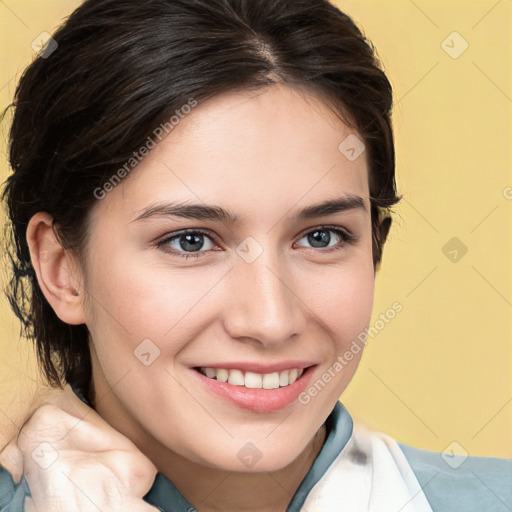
pixel 457 482
pixel 12 495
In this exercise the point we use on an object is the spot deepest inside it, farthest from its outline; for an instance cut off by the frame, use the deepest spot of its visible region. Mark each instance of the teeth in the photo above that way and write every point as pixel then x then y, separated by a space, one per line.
pixel 253 380
pixel 221 375
pixel 271 380
pixel 236 377
pixel 211 373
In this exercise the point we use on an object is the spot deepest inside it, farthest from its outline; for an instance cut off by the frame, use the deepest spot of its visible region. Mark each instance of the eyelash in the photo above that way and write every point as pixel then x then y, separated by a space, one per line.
pixel 346 239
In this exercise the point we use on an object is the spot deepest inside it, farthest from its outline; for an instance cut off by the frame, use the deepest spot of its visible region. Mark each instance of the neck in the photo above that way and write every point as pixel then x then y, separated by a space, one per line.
pixel 212 490
pixel 207 488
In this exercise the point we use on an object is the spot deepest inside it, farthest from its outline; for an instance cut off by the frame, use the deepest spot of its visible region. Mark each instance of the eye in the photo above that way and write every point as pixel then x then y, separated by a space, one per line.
pixel 187 244
pixel 321 238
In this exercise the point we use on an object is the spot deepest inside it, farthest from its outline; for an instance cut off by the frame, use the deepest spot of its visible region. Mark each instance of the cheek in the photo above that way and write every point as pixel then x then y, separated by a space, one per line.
pixel 342 299
pixel 131 302
pixel 134 298
pixel 352 311
pixel 344 309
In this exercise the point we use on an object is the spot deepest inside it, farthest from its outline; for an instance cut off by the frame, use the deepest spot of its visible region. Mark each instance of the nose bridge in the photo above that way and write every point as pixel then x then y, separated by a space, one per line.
pixel 264 305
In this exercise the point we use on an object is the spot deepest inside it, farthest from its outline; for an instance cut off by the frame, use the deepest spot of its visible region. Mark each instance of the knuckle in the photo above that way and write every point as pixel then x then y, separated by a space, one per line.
pixel 46 414
pixel 133 467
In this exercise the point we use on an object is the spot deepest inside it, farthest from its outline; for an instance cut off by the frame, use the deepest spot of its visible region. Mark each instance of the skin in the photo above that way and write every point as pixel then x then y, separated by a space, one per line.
pixel 263 156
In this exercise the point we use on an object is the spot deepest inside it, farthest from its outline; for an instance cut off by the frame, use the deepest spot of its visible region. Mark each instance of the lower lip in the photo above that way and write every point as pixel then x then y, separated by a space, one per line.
pixel 258 400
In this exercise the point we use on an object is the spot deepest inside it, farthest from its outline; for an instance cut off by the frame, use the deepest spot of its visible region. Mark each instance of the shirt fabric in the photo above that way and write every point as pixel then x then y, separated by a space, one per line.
pixel 359 469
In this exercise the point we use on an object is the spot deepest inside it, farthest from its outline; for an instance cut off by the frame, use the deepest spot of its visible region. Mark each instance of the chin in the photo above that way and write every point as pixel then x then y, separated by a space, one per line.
pixel 252 460
pixel 249 457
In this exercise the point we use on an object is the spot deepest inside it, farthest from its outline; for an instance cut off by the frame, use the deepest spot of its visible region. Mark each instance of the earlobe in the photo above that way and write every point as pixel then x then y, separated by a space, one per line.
pixel 55 269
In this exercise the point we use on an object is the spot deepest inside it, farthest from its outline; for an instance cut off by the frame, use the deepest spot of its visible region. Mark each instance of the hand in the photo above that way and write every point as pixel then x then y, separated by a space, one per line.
pixel 74 460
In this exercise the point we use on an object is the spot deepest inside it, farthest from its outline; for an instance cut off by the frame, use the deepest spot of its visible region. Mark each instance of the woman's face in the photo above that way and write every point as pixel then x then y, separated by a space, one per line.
pixel 270 291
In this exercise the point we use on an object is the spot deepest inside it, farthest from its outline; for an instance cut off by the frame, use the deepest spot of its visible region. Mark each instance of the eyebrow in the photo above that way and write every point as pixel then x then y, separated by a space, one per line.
pixel 216 213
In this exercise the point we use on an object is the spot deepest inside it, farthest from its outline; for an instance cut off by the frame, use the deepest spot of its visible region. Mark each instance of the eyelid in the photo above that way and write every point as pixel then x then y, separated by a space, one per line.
pixel 186 231
pixel 183 254
pixel 347 236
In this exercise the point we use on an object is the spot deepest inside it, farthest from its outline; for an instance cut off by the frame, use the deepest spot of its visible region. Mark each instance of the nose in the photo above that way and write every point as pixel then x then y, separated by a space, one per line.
pixel 262 304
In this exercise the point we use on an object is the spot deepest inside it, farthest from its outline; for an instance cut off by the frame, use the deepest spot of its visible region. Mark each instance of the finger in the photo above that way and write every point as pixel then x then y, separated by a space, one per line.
pixel 11 459
pixel 133 469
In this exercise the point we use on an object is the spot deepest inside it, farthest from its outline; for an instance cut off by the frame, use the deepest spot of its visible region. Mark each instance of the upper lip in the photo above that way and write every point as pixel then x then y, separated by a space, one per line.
pixel 259 367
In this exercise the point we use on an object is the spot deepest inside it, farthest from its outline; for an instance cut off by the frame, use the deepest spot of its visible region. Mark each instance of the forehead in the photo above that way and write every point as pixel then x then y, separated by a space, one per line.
pixel 277 146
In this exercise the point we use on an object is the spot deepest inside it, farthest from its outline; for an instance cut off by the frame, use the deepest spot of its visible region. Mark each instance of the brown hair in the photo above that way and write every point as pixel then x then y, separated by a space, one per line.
pixel 120 68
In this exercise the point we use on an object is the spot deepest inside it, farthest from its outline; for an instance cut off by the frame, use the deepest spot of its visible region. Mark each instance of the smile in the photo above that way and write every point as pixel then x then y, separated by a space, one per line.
pixel 258 387
pixel 253 380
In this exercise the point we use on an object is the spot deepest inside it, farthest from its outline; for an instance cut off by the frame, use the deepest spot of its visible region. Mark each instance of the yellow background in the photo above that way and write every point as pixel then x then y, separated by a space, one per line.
pixel 439 372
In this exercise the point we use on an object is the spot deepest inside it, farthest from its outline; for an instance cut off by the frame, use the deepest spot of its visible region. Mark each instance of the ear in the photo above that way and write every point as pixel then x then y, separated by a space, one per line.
pixel 384 227
pixel 379 237
pixel 56 270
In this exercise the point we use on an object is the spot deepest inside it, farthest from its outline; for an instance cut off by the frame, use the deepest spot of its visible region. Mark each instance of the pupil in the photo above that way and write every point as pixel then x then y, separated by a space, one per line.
pixel 192 242
pixel 318 237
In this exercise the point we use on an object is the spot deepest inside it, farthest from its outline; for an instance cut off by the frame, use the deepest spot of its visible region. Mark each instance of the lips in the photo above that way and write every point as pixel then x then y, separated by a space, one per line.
pixel 239 384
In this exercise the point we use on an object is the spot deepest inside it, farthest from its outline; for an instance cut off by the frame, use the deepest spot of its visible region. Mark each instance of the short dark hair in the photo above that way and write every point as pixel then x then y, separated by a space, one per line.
pixel 123 66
